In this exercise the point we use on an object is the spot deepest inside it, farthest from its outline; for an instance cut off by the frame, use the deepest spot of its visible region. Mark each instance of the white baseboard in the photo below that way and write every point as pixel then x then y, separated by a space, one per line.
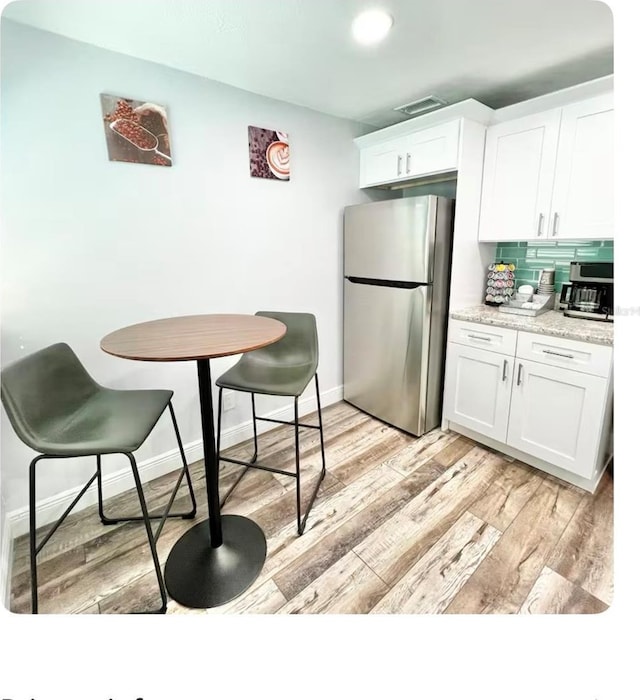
pixel 6 557
pixel 50 509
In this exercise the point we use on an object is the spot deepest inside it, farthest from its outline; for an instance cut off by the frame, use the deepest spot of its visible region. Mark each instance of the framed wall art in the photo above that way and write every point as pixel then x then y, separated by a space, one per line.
pixel 268 154
pixel 136 131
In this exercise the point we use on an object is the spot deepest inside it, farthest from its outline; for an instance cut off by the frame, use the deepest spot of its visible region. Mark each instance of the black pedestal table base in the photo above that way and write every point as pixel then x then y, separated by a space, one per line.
pixel 198 575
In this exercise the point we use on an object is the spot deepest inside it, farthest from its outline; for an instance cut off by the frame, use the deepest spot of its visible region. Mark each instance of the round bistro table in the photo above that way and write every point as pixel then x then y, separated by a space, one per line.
pixel 219 558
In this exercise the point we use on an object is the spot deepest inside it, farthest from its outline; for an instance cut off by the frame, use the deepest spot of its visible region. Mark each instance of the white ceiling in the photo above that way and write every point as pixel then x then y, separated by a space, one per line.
pixel 301 51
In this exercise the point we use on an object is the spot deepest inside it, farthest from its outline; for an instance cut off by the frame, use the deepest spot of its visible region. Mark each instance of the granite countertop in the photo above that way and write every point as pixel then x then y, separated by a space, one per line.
pixel 553 323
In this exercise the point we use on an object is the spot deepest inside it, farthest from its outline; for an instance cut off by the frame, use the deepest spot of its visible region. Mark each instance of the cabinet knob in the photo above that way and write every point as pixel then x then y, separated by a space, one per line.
pixel 399 166
pixel 540 220
pixel 505 364
pixel 408 163
pixel 519 381
pixel 556 218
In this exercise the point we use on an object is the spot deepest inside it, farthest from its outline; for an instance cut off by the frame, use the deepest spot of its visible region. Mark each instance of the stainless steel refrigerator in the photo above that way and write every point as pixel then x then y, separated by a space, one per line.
pixel 397 260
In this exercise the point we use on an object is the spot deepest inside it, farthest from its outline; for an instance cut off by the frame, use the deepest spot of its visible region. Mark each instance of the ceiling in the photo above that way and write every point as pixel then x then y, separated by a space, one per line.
pixel 496 51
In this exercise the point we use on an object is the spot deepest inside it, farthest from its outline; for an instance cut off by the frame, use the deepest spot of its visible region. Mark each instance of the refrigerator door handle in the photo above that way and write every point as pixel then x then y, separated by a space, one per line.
pixel 386 283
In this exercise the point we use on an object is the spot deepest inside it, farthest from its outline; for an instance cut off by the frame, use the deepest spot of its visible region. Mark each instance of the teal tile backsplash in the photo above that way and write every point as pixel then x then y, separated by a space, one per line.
pixel 530 257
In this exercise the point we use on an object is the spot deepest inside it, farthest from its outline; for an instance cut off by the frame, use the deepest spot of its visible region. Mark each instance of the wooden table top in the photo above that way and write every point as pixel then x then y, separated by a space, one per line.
pixel 193 337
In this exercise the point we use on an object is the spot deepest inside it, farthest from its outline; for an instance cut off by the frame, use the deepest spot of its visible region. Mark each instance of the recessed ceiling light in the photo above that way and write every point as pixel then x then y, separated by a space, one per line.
pixel 371 26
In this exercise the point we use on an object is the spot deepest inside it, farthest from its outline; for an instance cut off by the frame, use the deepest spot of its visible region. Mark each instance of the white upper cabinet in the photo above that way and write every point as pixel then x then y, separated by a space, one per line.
pixel 550 175
pixel 582 204
pixel 424 145
pixel 432 150
pixel 517 183
pixel 421 153
pixel 383 162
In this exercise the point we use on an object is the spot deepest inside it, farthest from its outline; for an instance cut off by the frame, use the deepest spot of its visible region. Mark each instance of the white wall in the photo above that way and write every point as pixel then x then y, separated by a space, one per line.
pixel 90 245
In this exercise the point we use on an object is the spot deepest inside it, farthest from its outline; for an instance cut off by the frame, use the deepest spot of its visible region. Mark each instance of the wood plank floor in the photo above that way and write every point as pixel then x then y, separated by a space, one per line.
pixel 437 524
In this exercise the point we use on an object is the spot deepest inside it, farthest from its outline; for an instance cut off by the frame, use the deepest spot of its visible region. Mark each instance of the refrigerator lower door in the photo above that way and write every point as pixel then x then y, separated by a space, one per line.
pixel 386 349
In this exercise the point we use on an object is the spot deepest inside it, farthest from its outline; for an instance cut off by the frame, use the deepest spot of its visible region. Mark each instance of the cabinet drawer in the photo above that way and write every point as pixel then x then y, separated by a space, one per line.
pixel 570 354
pixel 480 335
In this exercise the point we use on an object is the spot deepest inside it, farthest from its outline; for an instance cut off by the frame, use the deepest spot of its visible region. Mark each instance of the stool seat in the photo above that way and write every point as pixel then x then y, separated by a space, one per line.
pixel 266 378
pixel 110 421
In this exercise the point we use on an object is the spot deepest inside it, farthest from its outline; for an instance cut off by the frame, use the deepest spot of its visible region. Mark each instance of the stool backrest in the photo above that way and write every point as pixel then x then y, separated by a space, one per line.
pixel 43 390
pixel 299 345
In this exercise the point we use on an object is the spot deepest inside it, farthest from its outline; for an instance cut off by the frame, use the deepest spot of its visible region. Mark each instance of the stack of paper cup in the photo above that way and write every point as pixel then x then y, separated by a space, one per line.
pixel 547 280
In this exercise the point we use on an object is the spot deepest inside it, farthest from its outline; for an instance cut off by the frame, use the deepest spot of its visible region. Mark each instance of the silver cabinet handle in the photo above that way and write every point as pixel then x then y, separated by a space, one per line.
pixel 559 354
pixel 540 220
pixel 408 163
pixel 519 374
pixel 505 364
pixel 556 217
pixel 399 165
pixel 479 337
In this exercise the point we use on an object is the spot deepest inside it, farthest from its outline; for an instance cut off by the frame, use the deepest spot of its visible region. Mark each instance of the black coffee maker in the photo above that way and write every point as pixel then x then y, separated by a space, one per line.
pixel 589 293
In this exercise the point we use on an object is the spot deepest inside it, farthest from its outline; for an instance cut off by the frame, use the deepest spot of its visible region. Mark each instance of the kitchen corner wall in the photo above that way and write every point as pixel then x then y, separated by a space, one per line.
pixel 530 257
pixel 89 245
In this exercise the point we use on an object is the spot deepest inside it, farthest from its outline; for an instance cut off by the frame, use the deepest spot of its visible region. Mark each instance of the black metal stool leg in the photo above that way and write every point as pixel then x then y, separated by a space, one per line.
pixel 32 534
pixel 147 525
pixel 297 440
pixel 106 520
pixel 103 517
pixel 255 428
pixel 34 549
pixel 255 445
pixel 324 468
pixel 301 520
pixel 185 467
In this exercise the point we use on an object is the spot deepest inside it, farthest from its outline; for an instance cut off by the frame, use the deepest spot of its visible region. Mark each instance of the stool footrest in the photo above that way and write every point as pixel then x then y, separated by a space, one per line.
pixel 255 465
pixel 287 422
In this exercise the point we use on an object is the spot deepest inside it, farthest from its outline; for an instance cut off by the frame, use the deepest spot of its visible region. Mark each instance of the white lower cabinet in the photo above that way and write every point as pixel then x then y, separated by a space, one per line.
pixel 545 413
pixel 478 389
pixel 555 414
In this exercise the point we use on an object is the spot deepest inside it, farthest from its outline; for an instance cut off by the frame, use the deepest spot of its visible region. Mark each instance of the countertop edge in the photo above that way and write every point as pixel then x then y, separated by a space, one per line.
pixel 555 324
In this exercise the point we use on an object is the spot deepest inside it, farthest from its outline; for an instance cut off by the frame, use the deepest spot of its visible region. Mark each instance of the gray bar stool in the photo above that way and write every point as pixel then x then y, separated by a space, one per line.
pixel 284 368
pixel 58 410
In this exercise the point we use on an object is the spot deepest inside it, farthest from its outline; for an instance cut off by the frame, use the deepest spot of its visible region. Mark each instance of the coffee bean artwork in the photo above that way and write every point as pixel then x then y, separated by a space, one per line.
pixel 136 131
pixel 268 154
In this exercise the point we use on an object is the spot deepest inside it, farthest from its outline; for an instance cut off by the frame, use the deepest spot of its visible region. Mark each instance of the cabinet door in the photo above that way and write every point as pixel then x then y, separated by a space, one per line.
pixel 582 205
pixel 433 150
pixel 556 415
pixel 517 181
pixel 384 162
pixel 477 390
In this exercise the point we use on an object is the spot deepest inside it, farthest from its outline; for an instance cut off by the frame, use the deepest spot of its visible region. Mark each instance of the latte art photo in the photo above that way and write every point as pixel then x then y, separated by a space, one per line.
pixel 269 154
pixel 278 159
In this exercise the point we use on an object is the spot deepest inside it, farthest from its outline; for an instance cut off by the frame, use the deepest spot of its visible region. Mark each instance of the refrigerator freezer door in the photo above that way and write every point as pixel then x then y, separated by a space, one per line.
pixel 386 337
pixel 391 240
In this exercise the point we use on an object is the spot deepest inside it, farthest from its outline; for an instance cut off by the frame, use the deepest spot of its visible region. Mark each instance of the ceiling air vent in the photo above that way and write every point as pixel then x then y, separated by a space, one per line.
pixel 425 104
